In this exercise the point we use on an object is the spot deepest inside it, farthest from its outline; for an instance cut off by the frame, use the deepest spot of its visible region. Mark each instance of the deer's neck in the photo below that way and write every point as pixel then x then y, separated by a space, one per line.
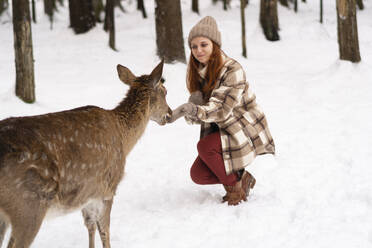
pixel 134 113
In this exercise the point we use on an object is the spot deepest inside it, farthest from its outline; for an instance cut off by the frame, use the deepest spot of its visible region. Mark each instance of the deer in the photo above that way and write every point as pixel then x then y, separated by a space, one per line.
pixel 74 159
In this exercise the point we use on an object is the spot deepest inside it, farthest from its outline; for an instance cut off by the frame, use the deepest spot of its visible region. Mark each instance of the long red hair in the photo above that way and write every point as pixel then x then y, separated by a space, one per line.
pixel 215 65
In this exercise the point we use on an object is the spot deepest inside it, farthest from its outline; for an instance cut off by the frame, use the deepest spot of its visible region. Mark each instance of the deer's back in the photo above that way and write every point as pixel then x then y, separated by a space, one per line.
pixel 66 158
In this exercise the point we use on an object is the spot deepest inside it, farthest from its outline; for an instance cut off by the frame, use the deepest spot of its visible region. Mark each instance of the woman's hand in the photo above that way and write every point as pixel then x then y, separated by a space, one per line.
pixel 186 109
pixel 196 98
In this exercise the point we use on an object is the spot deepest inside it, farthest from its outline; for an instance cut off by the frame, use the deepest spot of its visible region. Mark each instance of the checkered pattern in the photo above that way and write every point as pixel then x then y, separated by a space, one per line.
pixel 243 126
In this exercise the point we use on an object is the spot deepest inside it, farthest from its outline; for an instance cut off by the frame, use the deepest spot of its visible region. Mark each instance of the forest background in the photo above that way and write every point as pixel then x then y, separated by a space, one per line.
pixel 314 193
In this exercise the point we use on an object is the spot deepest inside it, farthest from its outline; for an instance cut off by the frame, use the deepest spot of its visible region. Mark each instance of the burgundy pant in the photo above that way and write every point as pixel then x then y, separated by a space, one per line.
pixel 209 167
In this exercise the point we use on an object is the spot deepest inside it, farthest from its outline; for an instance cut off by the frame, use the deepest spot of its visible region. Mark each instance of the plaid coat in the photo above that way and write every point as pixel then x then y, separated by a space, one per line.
pixel 242 124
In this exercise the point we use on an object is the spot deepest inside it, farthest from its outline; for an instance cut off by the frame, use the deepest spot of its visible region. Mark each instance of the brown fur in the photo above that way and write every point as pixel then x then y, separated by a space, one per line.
pixel 73 159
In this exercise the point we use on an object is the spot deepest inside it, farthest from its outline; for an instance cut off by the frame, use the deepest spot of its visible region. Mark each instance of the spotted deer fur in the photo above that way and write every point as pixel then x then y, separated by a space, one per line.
pixel 73 160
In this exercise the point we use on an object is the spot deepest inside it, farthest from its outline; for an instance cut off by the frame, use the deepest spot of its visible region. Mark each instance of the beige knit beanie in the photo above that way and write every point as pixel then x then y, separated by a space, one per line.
pixel 206 27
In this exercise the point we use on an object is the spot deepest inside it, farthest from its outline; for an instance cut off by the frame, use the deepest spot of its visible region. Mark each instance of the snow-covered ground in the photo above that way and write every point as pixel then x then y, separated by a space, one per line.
pixel 317 190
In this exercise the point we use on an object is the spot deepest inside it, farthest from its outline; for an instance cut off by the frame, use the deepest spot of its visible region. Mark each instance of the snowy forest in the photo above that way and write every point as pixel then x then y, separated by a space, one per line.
pixel 309 62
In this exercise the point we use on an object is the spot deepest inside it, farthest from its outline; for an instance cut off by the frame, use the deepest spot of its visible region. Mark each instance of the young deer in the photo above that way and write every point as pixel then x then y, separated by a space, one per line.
pixel 73 159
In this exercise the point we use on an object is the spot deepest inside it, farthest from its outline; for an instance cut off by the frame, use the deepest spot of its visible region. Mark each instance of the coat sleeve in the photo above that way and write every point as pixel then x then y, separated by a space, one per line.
pixel 192 121
pixel 224 98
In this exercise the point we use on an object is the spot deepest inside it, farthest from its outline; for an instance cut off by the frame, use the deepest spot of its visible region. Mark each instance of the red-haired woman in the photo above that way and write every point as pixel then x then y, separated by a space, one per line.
pixel 233 127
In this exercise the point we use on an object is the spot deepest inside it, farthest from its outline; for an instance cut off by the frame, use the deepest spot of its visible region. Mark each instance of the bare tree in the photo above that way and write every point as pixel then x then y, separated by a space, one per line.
pixel 269 19
pixel 347 30
pixel 98 8
pixel 141 7
pixel 24 59
pixel 33 11
pixel 225 4
pixel 81 15
pixel 3 6
pixel 110 22
pixel 169 35
pixel 284 3
pixel 360 4
pixel 118 4
pixel 295 6
pixel 321 11
pixel 49 8
pixel 242 15
pixel 195 6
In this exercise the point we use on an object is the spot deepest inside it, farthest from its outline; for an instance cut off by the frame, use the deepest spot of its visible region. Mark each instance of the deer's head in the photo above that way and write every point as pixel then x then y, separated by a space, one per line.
pixel 159 109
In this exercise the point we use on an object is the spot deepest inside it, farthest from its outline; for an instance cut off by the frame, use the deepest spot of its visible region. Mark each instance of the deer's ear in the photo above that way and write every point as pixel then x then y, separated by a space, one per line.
pixel 156 73
pixel 125 75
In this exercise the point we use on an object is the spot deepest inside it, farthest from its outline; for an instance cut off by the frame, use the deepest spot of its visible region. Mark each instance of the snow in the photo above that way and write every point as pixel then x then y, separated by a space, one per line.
pixel 316 192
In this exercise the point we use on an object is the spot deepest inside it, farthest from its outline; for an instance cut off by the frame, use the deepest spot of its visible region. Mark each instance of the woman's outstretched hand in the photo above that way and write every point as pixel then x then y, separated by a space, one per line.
pixel 186 109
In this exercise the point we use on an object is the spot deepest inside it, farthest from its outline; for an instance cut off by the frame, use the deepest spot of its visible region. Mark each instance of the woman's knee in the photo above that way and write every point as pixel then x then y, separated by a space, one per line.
pixel 195 174
pixel 209 143
pixel 202 146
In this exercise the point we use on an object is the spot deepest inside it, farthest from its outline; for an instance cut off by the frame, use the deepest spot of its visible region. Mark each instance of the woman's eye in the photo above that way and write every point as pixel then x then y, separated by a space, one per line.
pixel 194 47
pixel 204 45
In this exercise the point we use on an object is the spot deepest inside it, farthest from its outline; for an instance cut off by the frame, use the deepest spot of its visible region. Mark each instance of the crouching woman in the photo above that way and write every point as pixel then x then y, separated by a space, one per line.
pixel 233 127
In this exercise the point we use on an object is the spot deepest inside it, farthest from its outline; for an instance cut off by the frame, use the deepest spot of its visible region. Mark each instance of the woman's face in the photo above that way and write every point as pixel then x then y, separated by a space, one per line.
pixel 201 49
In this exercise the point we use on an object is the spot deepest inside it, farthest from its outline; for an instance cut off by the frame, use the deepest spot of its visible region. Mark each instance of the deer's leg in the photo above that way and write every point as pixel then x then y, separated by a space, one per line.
pixel 90 223
pixel 103 223
pixel 3 227
pixel 26 220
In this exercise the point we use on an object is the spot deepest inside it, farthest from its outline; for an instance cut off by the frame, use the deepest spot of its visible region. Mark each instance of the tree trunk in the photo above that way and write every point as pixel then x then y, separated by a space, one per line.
pixel 110 22
pixel 321 11
pixel 141 7
pixel 33 11
pixel 169 35
pixel 98 8
pixel 269 19
pixel 81 15
pixel 49 7
pixel 360 4
pixel 195 6
pixel 244 46
pixel 284 3
pixel 295 6
pixel 347 30
pixel 3 6
pixel 224 4
pixel 118 4
pixel 24 60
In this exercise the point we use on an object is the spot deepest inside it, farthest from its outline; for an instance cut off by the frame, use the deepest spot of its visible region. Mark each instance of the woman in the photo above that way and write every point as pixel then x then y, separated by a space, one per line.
pixel 233 128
